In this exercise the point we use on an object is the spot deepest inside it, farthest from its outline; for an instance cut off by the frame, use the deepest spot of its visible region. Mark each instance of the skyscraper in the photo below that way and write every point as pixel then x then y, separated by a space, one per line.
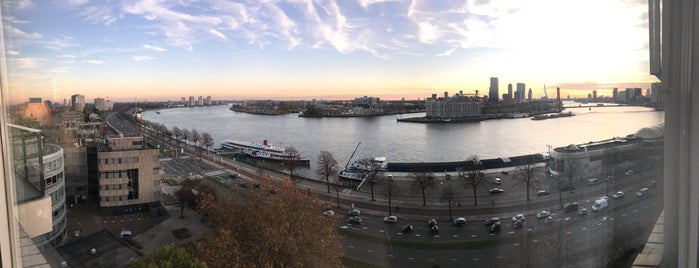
pixel 494 90
pixel 77 102
pixel 519 94
pixel 530 94
pixel 509 91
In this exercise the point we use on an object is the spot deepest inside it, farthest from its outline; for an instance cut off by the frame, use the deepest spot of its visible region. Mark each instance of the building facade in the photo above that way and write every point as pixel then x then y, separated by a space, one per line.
pixel 456 107
pixel 494 90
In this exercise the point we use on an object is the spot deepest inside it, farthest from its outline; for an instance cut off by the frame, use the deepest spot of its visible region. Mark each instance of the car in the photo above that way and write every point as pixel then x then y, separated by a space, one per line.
pixel 652 184
pixel 496 191
pixel 432 222
pixel 460 221
pixel 518 217
pixel 355 220
pixel 518 224
pixel 548 220
pixel 354 212
pixel 408 229
pixel 570 207
pixel 543 214
pixel 505 172
pixel 434 230
pixel 494 228
pixel 629 172
pixel 593 181
pixel 582 212
pixel 390 219
pixel 642 192
pixel 618 195
pixel 329 212
pixel 497 180
pixel 234 175
pixel 542 193
pixel 492 221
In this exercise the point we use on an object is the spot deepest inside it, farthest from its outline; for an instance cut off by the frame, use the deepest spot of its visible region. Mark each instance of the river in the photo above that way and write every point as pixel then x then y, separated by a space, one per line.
pixel 411 142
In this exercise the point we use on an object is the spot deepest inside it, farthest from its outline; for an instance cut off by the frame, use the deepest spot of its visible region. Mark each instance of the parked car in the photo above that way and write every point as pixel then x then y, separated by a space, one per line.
pixel 593 181
pixel 434 230
pixel 492 221
pixel 497 180
pixel 432 222
pixel 355 220
pixel 582 212
pixel 329 212
pixel 542 193
pixel 543 214
pixel 518 217
pixel 390 219
pixel 496 191
pixel 460 221
pixel 518 224
pixel 618 195
pixel 642 192
pixel 494 228
pixel 629 172
pixel 570 207
pixel 548 220
pixel 505 172
pixel 234 175
pixel 652 184
pixel 354 212
pixel 408 229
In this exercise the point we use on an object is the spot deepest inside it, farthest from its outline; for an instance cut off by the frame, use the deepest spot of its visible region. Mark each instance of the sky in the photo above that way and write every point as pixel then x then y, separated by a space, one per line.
pixel 326 49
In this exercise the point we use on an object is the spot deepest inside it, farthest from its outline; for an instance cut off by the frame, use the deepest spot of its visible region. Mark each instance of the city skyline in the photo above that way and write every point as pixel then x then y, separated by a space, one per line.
pixel 152 50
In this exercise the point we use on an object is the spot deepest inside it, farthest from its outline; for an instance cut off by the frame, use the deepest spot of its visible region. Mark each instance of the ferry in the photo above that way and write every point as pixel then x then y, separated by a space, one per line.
pixel 358 169
pixel 263 150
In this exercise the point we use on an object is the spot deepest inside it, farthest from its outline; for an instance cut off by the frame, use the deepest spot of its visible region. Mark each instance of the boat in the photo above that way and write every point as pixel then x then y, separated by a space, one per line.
pixel 359 168
pixel 263 150
pixel 551 116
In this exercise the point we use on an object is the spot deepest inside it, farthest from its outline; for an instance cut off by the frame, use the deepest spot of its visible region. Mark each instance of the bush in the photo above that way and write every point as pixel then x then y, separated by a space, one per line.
pixel 182 233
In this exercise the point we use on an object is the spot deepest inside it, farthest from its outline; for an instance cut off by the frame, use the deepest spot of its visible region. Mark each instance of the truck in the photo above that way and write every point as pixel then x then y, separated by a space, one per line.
pixel 600 204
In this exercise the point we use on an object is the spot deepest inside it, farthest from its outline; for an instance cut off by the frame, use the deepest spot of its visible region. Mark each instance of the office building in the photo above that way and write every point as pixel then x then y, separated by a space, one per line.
pixel 494 90
pixel 192 102
pixel 519 93
pixel 102 104
pixel 456 107
pixel 77 102
pixel 529 96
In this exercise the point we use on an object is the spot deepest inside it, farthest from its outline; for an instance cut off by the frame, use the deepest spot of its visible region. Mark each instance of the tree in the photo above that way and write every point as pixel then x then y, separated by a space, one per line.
pixel 389 188
pixel 472 177
pixel 526 174
pixel 177 132
pixel 423 181
pixel 184 196
pixel 287 230
pixel 449 195
pixel 168 257
pixel 327 166
pixel 372 174
pixel 292 165
pixel 186 135
pixel 195 138
pixel 207 141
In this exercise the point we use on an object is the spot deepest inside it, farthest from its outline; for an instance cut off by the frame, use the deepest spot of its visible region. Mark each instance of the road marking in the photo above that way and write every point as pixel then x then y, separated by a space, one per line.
pixel 381 231
pixel 635 210
pixel 365 228
pixel 535 240
pixel 370 251
pixel 473 235
pixel 412 259
pixel 431 260
pixel 511 232
pixel 454 259
pixel 498 257
pixel 516 244
pixel 390 256
pixel 454 236
pixel 623 214
pixel 436 236
pixel 584 228
pixel 350 246
pixel 418 235
pixel 475 259
pixel 568 233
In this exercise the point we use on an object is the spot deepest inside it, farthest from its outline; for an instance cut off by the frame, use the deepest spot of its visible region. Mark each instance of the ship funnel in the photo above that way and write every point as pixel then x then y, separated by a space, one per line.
pixel 265 142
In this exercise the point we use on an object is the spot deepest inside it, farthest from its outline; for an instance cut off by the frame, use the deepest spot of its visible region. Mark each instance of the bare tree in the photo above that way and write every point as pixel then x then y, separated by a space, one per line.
pixel 186 135
pixel 557 247
pixel 292 165
pixel 372 174
pixel 389 188
pixel 207 141
pixel 526 174
pixel 472 177
pixel 449 195
pixel 195 138
pixel 571 169
pixel 327 166
pixel 423 181
pixel 177 132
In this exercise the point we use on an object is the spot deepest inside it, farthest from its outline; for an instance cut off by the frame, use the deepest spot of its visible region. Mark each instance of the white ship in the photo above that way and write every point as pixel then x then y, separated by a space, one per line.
pixel 263 150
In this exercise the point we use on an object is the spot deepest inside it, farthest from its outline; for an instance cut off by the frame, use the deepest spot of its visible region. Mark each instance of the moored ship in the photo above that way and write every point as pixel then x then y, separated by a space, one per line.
pixel 264 150
pixel 359 169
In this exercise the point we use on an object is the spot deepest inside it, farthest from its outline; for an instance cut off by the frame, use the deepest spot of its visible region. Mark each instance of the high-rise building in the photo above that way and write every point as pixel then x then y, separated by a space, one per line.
pixel 208 100
pixel 183 101
pixel 615 94
pixel 529 97
pixel 519 95
pixel 455 107
pixel 509 91
pixel 103 105
pixel 200 101
pixel 655 95
pixel 191 101
pixel 494 90
pixel 77 102
pixel 594 95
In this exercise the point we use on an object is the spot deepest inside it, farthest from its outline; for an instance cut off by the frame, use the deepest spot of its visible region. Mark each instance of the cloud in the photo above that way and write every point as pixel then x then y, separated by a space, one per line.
pixel 77 2
pixel 17 33
pixel 93 62
pixel 143 58
pixel 26 63
pixel 12 52
pixel 217 34
pixel 447 53
pixel 24 4
pixel 154 48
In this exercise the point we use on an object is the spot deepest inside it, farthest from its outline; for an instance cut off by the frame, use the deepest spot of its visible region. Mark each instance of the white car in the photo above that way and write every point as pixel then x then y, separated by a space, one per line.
pixel 354 212
pixel 629 172
pixel 329 212
pixel 497 180
pixel 518 217
pixel 543 214
pixel 390 219
pixel 618 195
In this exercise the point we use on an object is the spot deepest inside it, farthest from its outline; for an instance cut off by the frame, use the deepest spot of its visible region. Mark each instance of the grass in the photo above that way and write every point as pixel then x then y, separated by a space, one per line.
pixel 182 233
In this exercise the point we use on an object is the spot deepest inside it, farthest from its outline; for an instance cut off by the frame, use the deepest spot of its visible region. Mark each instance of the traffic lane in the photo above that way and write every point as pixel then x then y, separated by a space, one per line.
pixel 477 230
pixel 594 236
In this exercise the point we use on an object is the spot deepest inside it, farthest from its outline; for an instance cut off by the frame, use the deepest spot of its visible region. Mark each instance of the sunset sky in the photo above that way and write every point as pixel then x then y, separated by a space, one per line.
pixel 303 49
